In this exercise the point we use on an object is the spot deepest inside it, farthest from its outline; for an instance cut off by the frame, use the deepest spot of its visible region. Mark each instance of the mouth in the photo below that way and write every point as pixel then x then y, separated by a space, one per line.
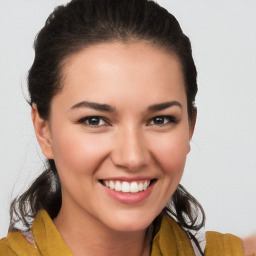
pixel 128 186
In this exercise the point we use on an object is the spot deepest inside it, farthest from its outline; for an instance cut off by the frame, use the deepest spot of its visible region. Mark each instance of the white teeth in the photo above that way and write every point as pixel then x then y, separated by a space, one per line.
pixel 118 186
pixel 111 185
pixel 126 187
pixel 141 187
pixel 145 185
pixel 134 187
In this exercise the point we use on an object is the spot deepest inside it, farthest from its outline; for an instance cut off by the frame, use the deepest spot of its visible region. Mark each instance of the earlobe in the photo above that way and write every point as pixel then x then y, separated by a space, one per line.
pixel 189 148
pixel 42 131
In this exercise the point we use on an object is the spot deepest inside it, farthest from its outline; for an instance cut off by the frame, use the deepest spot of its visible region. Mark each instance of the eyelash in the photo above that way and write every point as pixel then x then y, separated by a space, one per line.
pixel 87 119
pixel 166 120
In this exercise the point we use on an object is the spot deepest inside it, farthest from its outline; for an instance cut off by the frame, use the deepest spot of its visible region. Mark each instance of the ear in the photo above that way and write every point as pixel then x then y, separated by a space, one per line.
pixel 42 131
pixel 192 124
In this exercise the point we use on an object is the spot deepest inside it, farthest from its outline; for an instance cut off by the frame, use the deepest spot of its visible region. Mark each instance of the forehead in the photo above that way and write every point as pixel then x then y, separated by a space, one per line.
pixel 122 53
pixel 122 69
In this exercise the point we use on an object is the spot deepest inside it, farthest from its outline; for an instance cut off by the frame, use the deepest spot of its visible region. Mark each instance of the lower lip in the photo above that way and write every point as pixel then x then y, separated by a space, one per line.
pixel 129 198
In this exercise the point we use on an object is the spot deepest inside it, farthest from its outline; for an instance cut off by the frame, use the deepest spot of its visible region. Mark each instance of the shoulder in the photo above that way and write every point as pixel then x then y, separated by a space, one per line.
pixel 223 244
pixel 249 244
pixel 17 244
pixel 4 248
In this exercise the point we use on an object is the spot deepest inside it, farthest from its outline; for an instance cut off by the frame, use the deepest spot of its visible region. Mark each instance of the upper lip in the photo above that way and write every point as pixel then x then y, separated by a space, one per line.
pixel 129 179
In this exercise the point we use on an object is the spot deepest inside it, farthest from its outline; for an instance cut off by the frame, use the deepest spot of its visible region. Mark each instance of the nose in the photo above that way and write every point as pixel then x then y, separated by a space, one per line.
pixel 130 150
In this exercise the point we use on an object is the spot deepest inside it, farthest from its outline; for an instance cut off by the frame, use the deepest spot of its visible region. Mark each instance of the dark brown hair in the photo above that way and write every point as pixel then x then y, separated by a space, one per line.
pixel 67 31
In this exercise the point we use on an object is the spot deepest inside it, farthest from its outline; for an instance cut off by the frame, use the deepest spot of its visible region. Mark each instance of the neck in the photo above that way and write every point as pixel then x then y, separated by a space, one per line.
pixel 85 235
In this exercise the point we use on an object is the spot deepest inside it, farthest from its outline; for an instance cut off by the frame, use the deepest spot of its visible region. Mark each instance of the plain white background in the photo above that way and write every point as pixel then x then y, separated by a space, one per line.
pixel 221 168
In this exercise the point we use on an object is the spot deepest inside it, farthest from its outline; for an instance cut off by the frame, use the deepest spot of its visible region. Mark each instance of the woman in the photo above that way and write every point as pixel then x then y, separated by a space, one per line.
pixel 112 92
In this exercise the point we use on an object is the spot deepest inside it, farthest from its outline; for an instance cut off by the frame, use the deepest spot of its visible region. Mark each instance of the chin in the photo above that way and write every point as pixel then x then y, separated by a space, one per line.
pixel 131 227
pixel 130 222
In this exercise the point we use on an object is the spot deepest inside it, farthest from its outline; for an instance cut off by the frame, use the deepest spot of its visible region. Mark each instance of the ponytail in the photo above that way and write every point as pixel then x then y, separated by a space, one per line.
pixel 44 193
pixel 187 211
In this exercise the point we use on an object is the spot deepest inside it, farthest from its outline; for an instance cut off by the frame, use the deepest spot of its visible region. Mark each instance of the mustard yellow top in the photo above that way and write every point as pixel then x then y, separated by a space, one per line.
pixel 170 240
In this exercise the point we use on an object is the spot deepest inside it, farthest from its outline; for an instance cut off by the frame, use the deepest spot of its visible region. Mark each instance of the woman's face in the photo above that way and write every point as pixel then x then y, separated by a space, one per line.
pixel 119 133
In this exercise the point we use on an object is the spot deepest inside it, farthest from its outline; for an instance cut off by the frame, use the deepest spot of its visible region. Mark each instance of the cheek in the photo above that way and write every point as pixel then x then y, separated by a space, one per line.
pixel 78 153
pixel 171 152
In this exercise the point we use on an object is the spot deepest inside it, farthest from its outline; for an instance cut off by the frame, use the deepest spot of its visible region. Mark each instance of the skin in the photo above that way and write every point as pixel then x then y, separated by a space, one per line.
pixel 250 245
pixel 127 143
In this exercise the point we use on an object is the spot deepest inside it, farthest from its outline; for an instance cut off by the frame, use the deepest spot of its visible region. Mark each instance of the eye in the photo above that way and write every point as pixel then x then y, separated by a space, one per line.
pixel 163 120
pixel 93 121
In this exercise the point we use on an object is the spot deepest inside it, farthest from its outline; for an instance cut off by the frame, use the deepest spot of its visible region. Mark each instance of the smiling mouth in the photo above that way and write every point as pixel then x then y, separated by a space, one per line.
pixel 127 187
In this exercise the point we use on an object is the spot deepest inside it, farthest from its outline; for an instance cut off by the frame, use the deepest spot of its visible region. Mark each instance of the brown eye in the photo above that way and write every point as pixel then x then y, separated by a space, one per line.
pixel 93 121
pixel 159 120
pixel 162 120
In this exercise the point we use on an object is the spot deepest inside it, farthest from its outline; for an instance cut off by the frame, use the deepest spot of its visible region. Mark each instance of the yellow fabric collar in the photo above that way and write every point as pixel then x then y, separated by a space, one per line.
pixel 47 237
pixel 48 241
pixel 170 240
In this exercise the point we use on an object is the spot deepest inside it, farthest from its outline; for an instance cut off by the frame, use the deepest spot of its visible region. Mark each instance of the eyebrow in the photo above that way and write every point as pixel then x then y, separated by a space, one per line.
pixel 162 106
pixel 108 108
pixel 94 105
